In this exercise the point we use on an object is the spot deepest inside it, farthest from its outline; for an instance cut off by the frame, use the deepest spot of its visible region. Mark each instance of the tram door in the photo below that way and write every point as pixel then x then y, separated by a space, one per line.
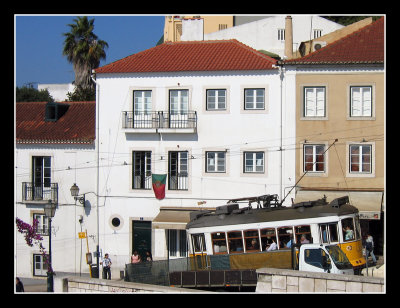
pixel 329 233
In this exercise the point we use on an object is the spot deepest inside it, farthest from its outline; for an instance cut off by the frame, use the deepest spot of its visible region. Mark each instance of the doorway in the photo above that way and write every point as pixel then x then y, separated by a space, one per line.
pixel 141 237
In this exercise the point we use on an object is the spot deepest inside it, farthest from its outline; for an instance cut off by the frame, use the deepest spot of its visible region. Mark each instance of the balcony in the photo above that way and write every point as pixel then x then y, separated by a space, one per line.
pixel 39 193
pixel 159 122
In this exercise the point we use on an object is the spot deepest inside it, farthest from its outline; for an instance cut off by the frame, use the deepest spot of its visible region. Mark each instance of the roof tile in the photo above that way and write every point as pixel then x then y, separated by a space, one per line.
pixel 219 55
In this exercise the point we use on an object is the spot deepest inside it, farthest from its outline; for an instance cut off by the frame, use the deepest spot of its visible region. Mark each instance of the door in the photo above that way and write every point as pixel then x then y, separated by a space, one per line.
pixel 41 177
pixel 141 238
pixel 178 108
pixel 142 117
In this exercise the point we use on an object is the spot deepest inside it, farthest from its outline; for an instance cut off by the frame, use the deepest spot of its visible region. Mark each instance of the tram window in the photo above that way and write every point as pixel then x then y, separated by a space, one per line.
pixel 235 241
pixel 357 223
pixel 267 236
pixel 348 229
pixel 329 233
pixel 198 242
pixel 252 240
pixel 219 242
pixel 284 235
pixel 303 231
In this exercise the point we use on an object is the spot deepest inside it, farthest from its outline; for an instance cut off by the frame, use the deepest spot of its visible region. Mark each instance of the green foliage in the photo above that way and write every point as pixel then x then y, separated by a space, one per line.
pixel 82 94
pixel 348 20
pixel 28 94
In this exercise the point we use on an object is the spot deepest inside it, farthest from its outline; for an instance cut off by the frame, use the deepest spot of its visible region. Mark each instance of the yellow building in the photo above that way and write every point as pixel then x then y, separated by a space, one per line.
pixel 340 101
pixel 211 23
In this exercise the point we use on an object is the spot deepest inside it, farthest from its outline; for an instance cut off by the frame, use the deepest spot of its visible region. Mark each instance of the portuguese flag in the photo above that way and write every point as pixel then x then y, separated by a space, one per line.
pixel 159 185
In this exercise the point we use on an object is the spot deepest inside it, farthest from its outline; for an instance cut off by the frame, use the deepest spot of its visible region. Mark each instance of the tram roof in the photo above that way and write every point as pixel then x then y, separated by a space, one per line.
pixel 257 215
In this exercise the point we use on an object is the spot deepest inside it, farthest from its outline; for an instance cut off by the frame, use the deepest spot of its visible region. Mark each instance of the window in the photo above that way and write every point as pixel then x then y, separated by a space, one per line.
pixel 178 108
pixel 41 177
pixel 360 158
pixel 219 242
pixel 177 243
pixel 303 231
pixel 348 229
pixel 329 232
pixel 215 162
pixel 222 26
pixel 178 170
pixel 254 99
pixel 235 241
pixel 43 224
pixel 314 158
pixel 267 237
pixel 216 99
pixel 198 242
pixel 251 240
pixel 253 162
pixel 142 102
pixel 314 257
pixel 317 32
pixel 314 102
pixel 284 235
pixel 281 34
pixel 141 170
pixel 39 265
pixel 361 101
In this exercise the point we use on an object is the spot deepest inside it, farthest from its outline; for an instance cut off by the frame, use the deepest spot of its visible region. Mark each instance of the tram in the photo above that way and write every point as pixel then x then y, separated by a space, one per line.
pixel 258 232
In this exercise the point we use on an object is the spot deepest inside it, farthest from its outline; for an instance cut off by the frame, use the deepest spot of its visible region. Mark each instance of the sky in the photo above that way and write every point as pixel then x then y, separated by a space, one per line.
pixel 39 43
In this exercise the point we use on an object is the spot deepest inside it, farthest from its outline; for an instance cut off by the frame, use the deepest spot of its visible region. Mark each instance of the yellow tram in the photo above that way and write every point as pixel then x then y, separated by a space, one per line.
pixel 250 235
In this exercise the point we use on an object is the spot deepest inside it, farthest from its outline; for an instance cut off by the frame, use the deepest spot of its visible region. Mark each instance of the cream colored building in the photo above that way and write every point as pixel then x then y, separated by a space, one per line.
pixel 340 119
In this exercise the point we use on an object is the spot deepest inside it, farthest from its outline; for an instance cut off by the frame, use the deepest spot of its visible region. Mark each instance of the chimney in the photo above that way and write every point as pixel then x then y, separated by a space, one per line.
pixel 288 37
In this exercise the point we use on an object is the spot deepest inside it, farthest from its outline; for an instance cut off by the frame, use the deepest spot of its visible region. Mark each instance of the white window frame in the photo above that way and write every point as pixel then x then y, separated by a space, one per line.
pixel 179 251
pixel 253 102
pixel 314 158
pixel 311 108
pixel 252 155
pixel 214 160
pixel 281 35
pixel 147 167
pixel 359 156
pixel 365 104
pixel 42 270
pixel 350 173
pixel 216 99
pixel 317 33
pixel 43 223
pixel 141 102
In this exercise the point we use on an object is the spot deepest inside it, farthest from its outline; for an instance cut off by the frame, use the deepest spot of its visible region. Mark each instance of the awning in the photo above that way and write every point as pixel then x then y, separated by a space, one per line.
pixel 369 204
pixel 174 217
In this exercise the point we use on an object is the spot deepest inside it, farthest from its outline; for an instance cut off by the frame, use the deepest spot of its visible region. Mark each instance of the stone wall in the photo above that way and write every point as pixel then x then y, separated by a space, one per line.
pixel 272 280
pixel 90 285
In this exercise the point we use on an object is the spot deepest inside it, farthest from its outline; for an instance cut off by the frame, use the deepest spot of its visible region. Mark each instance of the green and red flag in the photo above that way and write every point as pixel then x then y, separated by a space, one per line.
pixel 159 185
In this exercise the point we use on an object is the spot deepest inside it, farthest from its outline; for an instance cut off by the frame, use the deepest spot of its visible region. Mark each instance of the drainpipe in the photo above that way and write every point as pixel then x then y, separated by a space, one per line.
pixel 98 174
pixel 281 76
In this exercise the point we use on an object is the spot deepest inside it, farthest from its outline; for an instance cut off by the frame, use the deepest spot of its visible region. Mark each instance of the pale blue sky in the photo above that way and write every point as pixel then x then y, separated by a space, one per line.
pixel 39 43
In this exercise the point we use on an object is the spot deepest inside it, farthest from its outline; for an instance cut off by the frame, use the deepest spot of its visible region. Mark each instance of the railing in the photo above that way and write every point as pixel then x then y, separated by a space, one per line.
pixel 159 119
pixel 39 192
pixel 178 182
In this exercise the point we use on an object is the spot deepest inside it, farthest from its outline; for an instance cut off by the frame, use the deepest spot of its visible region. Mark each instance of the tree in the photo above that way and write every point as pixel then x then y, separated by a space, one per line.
pixel 81 94
pixel 28 94
pixel 84 50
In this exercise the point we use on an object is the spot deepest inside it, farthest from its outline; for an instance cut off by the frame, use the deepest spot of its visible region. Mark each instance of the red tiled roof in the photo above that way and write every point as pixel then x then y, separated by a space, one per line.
pixel 220 55
pixel 77 125
pixel 365 45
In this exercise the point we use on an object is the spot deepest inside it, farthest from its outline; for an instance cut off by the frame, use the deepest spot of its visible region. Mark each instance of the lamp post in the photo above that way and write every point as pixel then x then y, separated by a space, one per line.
pixel 75 193
pixel 50 211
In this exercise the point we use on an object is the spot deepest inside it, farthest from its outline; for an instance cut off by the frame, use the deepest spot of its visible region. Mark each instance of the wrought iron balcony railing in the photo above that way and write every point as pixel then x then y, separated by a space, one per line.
pixel 159 119
pixel 40 192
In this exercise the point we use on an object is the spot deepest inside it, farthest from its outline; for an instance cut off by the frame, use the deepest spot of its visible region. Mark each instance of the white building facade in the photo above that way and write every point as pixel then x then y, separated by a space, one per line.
pixel 216 134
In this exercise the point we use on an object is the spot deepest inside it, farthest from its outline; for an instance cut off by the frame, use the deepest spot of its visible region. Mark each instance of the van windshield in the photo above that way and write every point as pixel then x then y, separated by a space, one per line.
pixel 339 258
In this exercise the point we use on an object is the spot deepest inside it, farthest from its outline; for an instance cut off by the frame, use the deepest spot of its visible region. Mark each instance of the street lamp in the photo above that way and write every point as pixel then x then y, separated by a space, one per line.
pixel 75 193
pixel 50 211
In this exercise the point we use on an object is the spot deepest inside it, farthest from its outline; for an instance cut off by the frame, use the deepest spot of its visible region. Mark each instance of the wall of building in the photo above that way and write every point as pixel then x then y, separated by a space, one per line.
pixel 234 130
pixel 290 281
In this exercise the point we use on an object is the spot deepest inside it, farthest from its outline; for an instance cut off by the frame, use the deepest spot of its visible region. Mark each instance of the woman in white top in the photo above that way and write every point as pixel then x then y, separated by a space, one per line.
pixel 272 246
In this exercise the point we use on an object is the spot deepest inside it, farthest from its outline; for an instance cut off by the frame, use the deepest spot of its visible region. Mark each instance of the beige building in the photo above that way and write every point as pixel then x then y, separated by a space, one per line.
pixel 340 111
pixel 211 23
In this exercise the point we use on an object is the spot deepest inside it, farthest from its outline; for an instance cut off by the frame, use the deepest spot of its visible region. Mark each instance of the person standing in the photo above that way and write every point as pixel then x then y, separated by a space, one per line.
pixel 369 248
pixel 19 286
pixel 107 267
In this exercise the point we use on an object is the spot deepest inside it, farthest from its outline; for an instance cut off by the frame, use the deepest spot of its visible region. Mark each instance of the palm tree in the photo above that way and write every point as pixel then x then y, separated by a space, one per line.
pixel 84 50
